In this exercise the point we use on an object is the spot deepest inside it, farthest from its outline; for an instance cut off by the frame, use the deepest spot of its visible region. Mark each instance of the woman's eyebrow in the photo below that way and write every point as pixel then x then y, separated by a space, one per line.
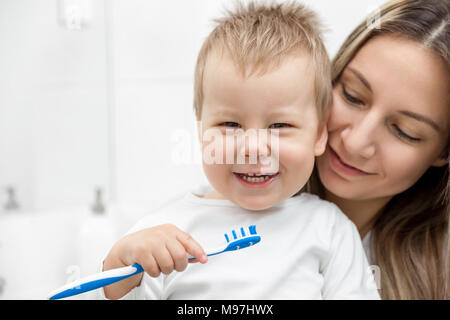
pixel 410 114
pixel 361 78
pixel 421 118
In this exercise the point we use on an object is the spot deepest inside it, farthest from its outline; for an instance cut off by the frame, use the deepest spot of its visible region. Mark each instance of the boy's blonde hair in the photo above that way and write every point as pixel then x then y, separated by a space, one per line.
pixel 257 36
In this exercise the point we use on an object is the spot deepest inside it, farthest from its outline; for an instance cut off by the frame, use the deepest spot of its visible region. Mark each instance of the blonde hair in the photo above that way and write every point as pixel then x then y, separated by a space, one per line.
pixel 257 36
pixel 410 239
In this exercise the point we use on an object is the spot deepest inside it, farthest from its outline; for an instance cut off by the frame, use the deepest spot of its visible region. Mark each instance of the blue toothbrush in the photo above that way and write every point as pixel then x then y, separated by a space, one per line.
pixel 235 241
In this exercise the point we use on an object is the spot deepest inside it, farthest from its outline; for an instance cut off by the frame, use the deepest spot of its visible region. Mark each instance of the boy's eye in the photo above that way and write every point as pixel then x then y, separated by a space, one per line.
pixel 279 125
pixel 230 124
pixel 237 125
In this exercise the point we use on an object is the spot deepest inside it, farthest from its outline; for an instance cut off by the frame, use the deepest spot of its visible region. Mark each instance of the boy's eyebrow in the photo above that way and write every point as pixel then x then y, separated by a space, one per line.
pixel 421 118
pixel 282 111
pixel 221 110
pixel 361 78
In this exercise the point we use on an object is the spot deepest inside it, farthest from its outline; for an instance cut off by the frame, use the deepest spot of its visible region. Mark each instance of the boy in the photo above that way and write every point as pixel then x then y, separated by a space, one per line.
pixel 265 68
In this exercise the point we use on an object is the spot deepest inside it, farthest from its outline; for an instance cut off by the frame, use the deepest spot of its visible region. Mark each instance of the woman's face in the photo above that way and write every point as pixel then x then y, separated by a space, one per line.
pixel 389 121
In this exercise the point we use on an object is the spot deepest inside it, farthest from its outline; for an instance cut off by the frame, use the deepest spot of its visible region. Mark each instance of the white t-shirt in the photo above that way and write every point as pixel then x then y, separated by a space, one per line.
pixel 308 250
pixel 366 241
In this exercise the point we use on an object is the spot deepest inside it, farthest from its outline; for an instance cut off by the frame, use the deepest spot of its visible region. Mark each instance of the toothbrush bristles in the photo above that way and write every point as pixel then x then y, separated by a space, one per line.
pixel 243 233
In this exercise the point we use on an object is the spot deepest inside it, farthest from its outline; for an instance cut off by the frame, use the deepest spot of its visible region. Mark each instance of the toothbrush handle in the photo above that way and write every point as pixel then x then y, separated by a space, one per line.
pixel 211 252
pixel 96 281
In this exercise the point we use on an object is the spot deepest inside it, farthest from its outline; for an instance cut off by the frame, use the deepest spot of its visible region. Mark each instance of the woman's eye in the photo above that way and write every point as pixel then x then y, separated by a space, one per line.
pixel 279 125
pixel 351 98
pixel 404 135
pixel 230 124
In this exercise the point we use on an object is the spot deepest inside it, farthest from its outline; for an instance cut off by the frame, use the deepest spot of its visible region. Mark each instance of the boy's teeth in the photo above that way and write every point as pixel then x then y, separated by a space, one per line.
pixel 257 174
pixel 259 177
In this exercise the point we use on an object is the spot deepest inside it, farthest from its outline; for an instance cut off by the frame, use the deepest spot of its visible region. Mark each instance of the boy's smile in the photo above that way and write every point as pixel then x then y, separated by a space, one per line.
pixel 251 180
pixel 281 103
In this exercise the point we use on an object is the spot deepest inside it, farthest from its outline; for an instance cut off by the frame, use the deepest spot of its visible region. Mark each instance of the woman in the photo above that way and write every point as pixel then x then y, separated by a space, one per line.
pixel 386 163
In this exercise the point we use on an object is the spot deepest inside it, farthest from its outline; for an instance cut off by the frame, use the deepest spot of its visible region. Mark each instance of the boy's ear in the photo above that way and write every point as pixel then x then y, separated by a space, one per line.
pixel 321 141
pixel 199 131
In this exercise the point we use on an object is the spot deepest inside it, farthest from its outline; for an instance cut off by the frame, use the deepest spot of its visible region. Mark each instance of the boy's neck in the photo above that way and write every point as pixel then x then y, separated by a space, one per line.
pixel 361 212
pixel 214 195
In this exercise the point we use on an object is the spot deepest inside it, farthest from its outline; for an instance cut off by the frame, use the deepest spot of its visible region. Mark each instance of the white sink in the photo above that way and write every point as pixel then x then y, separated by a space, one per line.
pixel 36 250
pixel 42 251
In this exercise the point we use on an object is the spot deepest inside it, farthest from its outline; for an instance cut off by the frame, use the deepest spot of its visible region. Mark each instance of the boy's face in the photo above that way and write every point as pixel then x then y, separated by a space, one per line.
pixel 280 101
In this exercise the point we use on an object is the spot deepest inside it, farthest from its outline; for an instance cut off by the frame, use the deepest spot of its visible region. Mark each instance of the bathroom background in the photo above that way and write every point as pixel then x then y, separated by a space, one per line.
pixel 97 126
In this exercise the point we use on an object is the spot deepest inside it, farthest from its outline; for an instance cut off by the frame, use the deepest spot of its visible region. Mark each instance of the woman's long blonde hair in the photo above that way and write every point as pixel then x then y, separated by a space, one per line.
pixel 410 242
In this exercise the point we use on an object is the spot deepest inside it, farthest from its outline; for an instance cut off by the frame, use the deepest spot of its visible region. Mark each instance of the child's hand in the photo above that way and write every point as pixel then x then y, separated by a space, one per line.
pixel 163 248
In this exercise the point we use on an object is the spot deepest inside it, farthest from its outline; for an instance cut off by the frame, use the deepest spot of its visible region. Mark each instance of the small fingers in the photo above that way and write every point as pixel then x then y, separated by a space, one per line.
pixel 165 248
pixel 150 266
pixel 164 259
pixel 192 247
pixel 179 255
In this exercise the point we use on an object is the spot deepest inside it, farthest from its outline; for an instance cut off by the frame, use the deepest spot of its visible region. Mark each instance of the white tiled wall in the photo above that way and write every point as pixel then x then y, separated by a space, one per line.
pixel 53 111
pixel 154 52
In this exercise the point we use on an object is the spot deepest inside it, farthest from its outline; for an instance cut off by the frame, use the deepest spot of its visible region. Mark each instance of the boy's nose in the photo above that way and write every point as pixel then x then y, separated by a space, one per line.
pixel 261 149
pixel 254 149
pixel 254 146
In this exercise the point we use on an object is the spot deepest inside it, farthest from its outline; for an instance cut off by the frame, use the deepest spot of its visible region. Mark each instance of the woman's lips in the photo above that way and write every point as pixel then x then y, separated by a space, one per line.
pixel 344 168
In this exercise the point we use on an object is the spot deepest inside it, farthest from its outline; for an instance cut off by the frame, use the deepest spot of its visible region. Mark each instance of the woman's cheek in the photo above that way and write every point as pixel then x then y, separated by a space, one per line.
pixel 400 168
pixel 340 114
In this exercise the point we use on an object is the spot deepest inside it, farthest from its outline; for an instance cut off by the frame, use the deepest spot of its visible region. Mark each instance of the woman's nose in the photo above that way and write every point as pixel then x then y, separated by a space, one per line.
pixel 358 138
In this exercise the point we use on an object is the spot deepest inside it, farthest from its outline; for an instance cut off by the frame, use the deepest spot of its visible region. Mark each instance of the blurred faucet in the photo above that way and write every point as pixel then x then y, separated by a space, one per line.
pixel 11 202
pixel 97 206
